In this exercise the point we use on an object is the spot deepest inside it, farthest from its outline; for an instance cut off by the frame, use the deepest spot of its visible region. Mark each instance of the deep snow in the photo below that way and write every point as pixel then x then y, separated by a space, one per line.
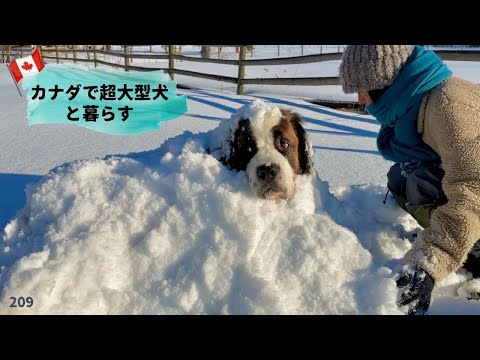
pixel 174 231
pixel 170 230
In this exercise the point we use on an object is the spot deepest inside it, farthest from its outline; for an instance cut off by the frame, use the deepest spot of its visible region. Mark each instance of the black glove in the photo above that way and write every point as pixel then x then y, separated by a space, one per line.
pixel 416 289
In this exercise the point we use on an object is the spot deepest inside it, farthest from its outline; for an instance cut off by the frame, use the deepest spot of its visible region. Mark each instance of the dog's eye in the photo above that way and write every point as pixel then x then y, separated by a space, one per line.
pixel 284 144
pixel 281 144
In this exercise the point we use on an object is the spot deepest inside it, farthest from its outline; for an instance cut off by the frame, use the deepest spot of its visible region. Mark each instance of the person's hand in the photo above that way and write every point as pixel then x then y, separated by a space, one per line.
pixel 416 287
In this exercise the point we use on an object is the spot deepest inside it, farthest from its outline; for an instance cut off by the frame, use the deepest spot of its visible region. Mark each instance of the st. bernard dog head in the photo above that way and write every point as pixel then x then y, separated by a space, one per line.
pixel 272 147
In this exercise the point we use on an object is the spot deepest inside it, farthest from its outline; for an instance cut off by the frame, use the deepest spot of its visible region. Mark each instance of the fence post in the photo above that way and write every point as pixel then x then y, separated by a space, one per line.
pixel 241 69
pixel 56 52
pixel 95 55
pixel 21 50
pixel 171 61
pixel 74 54
pixel 125 52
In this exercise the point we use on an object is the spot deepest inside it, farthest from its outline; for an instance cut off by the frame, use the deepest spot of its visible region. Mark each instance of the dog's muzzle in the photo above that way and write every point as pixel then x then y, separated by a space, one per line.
pixel 269 177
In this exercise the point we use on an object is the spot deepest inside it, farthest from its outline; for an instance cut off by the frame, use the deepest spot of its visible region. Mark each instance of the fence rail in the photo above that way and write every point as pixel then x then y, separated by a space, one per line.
pixel 294 81
pixel 70 53
pixel 304 59
pixel 459 55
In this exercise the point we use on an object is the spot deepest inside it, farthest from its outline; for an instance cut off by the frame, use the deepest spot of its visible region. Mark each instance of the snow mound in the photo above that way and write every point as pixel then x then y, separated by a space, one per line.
pixel 173 231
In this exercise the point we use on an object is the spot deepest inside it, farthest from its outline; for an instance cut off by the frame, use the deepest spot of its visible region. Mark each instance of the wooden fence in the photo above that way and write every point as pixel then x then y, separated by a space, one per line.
pixel 71 52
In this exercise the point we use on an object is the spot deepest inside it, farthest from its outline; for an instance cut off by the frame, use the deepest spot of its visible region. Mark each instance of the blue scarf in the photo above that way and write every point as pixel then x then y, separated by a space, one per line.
pixel 397 109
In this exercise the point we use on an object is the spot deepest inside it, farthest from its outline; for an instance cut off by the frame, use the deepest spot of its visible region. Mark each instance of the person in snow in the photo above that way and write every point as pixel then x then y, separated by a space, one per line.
pixel 430 129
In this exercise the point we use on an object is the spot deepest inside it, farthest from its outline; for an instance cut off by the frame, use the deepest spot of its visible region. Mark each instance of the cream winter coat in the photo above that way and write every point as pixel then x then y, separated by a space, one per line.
pixel 449 122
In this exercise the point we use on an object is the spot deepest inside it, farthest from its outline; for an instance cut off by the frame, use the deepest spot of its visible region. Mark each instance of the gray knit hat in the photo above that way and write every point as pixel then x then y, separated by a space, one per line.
pixel 370 67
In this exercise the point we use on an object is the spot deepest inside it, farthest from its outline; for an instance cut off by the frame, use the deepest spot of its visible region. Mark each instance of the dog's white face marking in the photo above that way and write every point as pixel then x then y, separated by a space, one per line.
pixel 269 172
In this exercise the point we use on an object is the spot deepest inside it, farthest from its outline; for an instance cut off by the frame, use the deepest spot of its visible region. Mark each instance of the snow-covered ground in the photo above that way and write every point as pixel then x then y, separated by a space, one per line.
pixel 153 224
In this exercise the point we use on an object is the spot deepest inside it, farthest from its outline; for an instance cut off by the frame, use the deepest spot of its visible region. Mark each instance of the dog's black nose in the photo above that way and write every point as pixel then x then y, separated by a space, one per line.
pixel 268 172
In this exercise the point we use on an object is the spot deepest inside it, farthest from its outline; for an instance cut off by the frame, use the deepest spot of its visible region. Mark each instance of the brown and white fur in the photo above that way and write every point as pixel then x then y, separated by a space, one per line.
pixel 272 151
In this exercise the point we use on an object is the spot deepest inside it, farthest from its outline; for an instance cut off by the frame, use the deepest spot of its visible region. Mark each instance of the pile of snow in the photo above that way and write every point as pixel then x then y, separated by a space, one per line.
pixel 173 231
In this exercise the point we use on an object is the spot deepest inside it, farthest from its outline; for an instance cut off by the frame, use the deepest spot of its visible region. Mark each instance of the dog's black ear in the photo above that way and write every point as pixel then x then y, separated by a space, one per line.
pixel 304 156
pixel 226 160
pixel 242 147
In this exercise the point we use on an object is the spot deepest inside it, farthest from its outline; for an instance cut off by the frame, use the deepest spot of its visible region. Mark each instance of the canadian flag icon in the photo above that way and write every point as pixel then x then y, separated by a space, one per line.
pixel 26 66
